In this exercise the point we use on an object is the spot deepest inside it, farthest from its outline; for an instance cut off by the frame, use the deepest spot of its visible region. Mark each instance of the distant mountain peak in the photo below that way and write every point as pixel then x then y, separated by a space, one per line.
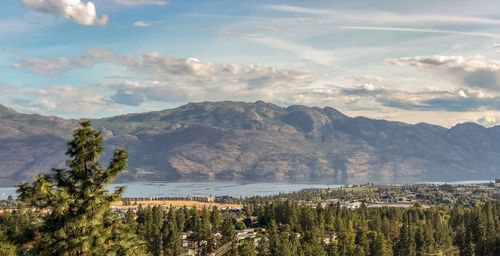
pixel 468 125
pixel 258 140
pixel 334 113
pixel 6 110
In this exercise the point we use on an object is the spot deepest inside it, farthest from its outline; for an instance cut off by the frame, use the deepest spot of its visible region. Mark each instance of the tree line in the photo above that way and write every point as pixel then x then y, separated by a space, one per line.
pixel 67 212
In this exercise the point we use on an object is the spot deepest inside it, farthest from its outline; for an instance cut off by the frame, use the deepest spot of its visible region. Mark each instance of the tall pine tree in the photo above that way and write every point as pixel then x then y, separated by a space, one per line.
pixel 77 202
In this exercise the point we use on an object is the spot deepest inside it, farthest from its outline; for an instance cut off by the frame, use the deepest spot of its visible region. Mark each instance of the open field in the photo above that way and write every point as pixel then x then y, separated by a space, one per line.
pixel 175 203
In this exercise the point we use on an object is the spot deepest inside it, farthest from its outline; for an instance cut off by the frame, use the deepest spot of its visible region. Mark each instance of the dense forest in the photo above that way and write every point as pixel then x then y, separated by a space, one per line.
pixel 287 228
pixel 69 212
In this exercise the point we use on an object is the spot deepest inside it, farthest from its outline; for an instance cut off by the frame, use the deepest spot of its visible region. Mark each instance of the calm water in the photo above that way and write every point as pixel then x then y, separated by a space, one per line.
pixel 217 188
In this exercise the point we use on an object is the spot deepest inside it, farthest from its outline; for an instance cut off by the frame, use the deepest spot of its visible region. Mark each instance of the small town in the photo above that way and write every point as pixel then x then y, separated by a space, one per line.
pixel 247 220
pixel 350 197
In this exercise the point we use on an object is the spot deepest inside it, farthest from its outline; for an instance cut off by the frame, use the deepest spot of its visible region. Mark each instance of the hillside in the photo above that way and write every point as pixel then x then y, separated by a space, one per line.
pixel 258 140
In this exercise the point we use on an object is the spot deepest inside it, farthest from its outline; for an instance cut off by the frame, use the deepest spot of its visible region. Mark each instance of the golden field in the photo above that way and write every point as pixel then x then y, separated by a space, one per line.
pixel 175 203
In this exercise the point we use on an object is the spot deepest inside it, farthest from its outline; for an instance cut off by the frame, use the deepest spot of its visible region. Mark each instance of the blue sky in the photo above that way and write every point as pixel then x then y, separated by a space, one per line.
pixel 431 61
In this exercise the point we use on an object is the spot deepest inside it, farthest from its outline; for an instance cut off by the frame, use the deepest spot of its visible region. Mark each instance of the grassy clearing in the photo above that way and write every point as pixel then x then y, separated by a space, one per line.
pixel 175 203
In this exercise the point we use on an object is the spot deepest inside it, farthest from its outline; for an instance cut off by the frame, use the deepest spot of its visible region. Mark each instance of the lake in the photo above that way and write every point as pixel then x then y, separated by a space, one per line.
pixel 217 188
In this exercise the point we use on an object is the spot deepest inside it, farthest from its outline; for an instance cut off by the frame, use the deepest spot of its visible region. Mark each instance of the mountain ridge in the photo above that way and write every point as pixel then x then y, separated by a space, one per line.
pixel 258 140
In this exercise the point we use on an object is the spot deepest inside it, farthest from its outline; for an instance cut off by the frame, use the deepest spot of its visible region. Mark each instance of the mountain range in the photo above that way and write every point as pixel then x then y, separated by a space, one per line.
pixel 239 140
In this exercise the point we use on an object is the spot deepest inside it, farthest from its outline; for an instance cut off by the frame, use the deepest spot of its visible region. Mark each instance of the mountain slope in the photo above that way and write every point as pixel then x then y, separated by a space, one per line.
pixel 259 140
pixel 30 144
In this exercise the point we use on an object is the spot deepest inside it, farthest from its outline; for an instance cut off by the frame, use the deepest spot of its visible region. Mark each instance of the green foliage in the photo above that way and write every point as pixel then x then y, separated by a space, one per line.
pixel 78 220
pixel 228 231
pixel 215 218
pixel 172 242
pixel 68 213
pixel 150 223
pixel 7 249
pixel 247 248
pixel 381 231
pixel 365 231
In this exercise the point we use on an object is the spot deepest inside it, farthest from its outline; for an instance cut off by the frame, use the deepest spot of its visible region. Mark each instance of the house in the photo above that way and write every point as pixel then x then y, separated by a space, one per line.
pixel 201 198
pixel 497 183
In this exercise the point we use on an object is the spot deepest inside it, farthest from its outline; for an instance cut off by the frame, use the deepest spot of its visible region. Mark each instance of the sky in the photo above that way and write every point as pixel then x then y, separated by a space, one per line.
pixel 412 61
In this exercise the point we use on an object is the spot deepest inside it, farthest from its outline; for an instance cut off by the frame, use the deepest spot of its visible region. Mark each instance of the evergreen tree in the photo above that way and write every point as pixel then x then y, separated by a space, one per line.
pixel 130 219
pixel 181 218
pixel 20 227
pixel 227 230
pixel 289 228
pixel 420 240
pixel 79 221
pixel 274 238
pixel 205 232
pixel 264 247
pixel 155 235
pixel 362 243
pixel 283 243
pixel 347 243
pixel 172 243
pixel 247 248
pixel 215 218
pixel 406 245
pixel 380 246
pixel 467 247
pixel 193 221
pixel 7 249
pixel 332 249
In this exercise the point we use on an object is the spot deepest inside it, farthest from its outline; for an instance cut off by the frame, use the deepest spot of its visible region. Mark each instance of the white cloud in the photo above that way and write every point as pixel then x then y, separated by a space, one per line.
pixel 155 78
pixel 368 87
pixel 183 80
pixel 422 30
pixel 50 66
pixel 367 79
pixel 469 64
pixel 64 100
pixel 81 12
pixel 134 93
pixel 462 93
pixel 141 2
pixel 496 47
pixel 411 21
pixel 477 71
pixel 489 121
pixel 455 100
pixel 180 79
pixel 43 66
pixel 384 17
pixel 141 23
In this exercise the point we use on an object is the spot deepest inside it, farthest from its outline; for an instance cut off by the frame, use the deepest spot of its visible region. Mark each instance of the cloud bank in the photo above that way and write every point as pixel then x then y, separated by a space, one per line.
pixel 163 78
pixel 455 100
pixel 476 71
pixel 155 78
pixel 52 66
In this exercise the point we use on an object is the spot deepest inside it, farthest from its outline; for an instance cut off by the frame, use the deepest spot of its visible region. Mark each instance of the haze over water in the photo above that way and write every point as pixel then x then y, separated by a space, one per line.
pixel 222 188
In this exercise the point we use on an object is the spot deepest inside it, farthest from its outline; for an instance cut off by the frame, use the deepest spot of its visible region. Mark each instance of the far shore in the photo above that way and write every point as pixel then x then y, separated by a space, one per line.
pixel 174 203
